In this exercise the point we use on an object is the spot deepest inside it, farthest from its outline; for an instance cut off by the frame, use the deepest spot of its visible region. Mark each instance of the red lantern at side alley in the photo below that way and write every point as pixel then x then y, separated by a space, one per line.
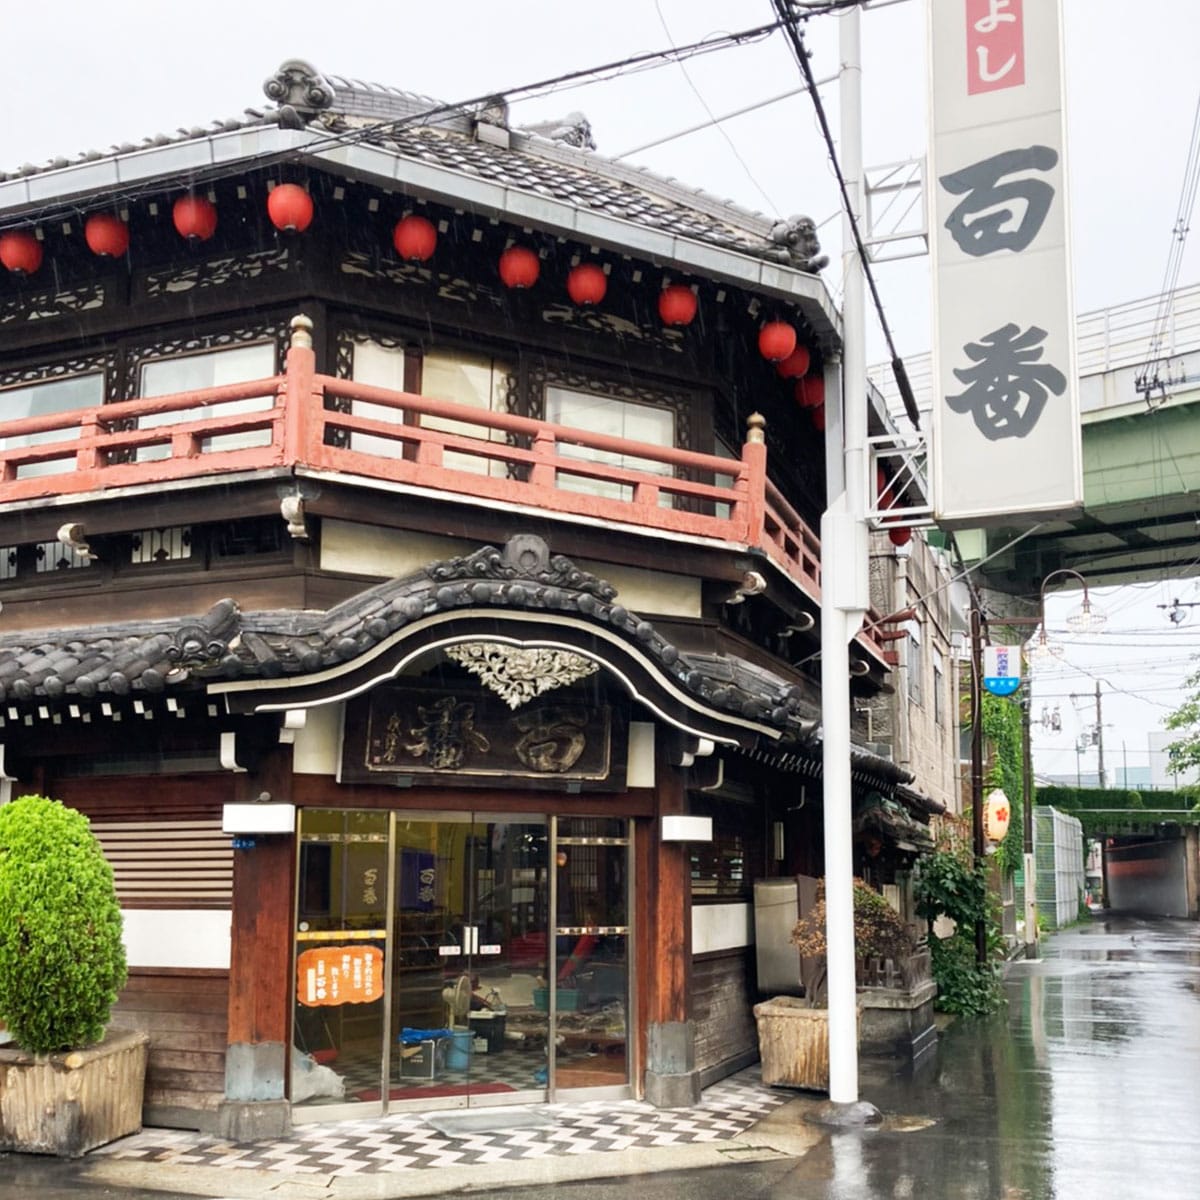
pixel 106 235
pixel 776 340
pixel 415 238
pixel 810 391
pixel 290 208
pixel 677 305
pixel 519 267
pixel 901 535
pixel 20 252
pixel 195 218
pixel 587 283
pixel 795 365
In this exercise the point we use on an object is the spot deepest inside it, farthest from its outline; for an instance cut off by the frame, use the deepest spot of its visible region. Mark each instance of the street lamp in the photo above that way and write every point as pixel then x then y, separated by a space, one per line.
pixel 1085 619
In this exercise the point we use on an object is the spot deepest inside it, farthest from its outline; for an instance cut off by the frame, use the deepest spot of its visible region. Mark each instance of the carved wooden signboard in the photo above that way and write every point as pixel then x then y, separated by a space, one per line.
pixel 466 736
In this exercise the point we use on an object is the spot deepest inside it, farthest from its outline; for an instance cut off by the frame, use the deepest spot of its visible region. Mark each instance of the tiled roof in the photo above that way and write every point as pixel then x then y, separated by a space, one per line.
pixel 145 659
pixel 559 166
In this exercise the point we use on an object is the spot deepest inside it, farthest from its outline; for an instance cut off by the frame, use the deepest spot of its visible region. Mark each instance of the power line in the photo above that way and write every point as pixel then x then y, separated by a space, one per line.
pixel 789 21
pixel 345 137
pixel 713 117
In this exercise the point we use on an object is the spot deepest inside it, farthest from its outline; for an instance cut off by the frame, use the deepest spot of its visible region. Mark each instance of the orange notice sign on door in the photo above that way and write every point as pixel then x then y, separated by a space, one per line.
pixel 339 975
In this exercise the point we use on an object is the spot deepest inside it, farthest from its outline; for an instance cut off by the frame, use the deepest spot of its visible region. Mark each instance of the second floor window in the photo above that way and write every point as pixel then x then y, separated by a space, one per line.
pixel 625 419
pixel 48 399
pixel 213 368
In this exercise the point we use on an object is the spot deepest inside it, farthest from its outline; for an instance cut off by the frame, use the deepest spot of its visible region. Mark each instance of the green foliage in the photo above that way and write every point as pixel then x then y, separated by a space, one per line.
pixel 1004 737
pixel 949 884
pixel 62 961
pixel 1068 799
pixel 1134 810
pixel 1184 752
pixel 964 987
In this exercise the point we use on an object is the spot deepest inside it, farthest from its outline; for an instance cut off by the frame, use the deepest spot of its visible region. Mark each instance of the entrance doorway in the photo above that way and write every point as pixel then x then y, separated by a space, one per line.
pixel 430 972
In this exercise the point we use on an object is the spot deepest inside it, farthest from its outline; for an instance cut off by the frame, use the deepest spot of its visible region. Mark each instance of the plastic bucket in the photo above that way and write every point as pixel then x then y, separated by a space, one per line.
pixel 458 1053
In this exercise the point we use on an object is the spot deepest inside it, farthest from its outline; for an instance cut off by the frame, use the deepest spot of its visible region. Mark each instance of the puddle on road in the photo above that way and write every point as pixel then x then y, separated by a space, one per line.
pixel 901 1123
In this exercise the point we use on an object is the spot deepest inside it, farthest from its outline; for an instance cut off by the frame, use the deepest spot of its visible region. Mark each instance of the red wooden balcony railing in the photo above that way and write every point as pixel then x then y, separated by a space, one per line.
pixel 306 422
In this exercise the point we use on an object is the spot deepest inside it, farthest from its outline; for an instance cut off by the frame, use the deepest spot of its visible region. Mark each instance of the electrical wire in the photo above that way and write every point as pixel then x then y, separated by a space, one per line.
pixel 1147 380
pixel 715 120
pixel 631 64
pixel 789 22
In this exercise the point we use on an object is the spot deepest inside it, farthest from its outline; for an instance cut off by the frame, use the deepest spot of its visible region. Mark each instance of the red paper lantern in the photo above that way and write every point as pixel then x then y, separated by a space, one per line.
pixel 519 267
pixel 20 252
pixel 677 305
pixel 776 340
pixel 901 535
pixel 106 235
pixel 818 417
pixel 195 218
pixel 415 238
pixel 795 365
pixel 290 208
pixel 587 283
pixel 810 391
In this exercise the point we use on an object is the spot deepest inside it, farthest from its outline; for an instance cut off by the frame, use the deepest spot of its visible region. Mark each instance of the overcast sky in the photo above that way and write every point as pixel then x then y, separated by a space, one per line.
pixel 79 76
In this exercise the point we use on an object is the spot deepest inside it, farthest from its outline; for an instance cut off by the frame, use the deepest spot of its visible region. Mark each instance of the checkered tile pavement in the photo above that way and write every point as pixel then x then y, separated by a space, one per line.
pixel 407 1142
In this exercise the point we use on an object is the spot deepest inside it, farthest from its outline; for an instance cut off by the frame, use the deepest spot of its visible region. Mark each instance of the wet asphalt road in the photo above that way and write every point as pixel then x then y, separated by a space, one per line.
pixel 1086 1088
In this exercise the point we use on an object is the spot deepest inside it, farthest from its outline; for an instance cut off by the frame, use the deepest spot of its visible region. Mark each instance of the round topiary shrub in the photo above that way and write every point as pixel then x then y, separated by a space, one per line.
pixel 62 961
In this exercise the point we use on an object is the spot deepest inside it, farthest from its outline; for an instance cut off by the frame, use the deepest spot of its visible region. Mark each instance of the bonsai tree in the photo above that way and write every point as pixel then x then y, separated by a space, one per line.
pixel 879 932
pixel 62 961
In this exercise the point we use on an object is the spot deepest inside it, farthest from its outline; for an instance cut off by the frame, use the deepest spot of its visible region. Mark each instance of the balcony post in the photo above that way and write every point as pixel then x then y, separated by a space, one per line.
pixel 754 460
pixel 299 387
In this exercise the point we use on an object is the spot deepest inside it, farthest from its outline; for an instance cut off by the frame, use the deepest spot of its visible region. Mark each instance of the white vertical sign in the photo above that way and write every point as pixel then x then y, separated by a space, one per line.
pixel 1006 440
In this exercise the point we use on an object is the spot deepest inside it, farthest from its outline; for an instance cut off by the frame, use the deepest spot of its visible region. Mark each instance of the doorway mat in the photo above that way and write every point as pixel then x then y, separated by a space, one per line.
pixel 488 1120
pixel 436 1091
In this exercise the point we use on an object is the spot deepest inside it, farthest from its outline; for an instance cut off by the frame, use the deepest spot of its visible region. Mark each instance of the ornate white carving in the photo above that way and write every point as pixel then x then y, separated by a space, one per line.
pixel 517 674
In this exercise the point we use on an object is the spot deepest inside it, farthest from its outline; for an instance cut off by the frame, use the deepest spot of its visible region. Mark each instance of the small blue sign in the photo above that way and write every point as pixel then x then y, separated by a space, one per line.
pixel 243 843
pixel 1001 669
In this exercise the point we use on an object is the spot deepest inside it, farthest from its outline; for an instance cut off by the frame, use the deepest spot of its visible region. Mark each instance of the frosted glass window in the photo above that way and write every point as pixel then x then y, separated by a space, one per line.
pixel 475 380
pixel 617 418
pixel 43 399
pixel 382 367
pixel 191 372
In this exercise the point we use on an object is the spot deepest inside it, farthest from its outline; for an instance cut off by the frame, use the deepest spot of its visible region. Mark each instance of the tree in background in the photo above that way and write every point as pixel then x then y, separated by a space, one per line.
pixel 1184 752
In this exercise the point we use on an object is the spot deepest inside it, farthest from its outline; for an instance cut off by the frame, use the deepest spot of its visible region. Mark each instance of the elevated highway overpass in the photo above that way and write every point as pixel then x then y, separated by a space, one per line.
pixel 1141 458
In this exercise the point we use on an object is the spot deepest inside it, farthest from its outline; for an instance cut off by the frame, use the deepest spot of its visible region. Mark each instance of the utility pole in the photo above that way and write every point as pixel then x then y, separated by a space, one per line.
pixel 978 842
pixel 844 598
pixel 1031 929
pixel 1100 735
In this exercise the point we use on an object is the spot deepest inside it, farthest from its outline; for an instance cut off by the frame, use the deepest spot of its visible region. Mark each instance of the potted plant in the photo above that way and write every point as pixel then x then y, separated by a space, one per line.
pixel 65 1086
pixel 793 1033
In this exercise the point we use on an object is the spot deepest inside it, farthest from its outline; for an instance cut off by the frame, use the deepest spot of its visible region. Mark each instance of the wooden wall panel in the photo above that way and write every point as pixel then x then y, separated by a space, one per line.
pixel 723 999
pixel 185 1014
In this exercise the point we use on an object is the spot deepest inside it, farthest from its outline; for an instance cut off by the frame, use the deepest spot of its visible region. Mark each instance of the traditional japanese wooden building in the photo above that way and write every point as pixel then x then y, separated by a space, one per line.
pixel 407 563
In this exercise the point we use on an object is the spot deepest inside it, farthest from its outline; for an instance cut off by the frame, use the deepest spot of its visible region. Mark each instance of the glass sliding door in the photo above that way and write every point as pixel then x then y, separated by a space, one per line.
pixel 470 921
pixel 592 984
pixel 341 943
pixel 429 972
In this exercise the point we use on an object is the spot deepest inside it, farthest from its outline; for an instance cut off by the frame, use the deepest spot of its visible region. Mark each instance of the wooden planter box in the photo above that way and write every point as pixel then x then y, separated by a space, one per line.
pixel 67 1104
pixel 793 1043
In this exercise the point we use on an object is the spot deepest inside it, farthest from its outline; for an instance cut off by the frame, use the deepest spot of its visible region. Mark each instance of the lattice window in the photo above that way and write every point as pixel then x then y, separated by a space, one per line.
pixel 172 544
pixel 54 556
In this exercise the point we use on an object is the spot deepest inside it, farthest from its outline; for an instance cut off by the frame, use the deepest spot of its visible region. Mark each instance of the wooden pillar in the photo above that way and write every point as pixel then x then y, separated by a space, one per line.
pixel 260 963
pixel 671 1079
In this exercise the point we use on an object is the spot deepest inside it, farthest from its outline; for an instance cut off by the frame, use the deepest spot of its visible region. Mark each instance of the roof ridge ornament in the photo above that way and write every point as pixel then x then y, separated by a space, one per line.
pixel 525 556
pixel 572 130
pixel 300 90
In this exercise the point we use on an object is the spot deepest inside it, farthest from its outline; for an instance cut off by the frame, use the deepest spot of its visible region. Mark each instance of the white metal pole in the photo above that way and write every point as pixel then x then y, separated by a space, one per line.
pixel 844 601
